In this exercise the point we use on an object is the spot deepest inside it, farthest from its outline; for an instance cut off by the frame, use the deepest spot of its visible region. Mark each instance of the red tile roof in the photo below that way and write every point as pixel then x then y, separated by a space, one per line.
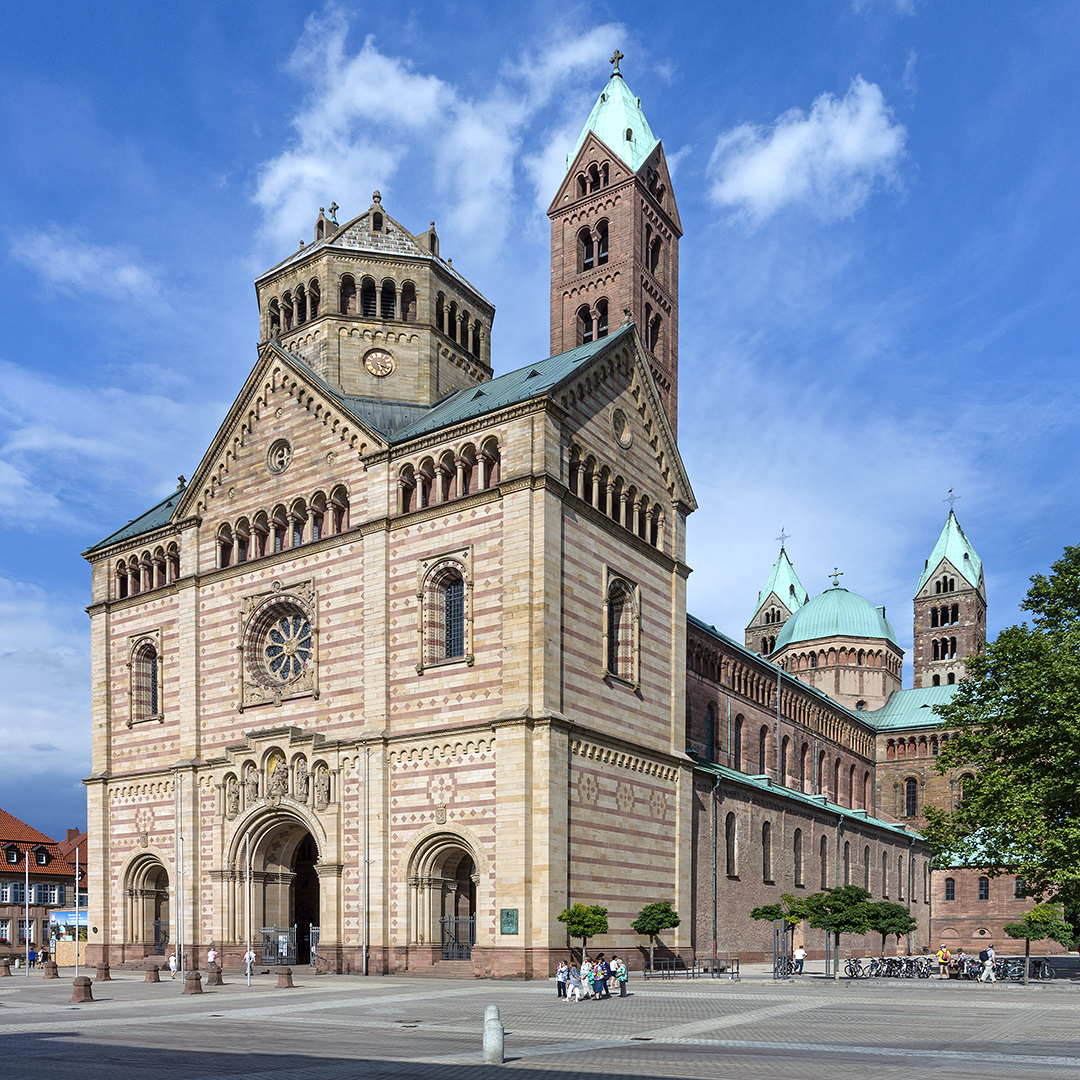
pixel 26 838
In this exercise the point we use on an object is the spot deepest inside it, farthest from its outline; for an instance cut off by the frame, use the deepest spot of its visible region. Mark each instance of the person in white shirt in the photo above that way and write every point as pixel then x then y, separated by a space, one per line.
pixel 211 956
pixel 799 955
pixel 249 960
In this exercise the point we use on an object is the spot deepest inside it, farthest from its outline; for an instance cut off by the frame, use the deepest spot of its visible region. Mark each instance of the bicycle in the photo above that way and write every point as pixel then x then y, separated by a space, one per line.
pixel 783 967
pixel 1041 969
pixel 853 969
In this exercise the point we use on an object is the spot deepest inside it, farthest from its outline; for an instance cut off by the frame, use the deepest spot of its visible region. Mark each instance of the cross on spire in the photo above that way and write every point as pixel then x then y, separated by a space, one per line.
pixel 951 499
pixel 616 56
pixel 782 538
pixel 333 211
pixel 836 575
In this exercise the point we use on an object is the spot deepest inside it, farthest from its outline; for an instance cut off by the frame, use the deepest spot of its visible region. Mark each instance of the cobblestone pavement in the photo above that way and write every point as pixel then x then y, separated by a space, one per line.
pixel 333 1027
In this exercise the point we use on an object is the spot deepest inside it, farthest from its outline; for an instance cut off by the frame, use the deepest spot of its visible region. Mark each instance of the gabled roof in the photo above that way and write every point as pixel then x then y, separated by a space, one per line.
pixel 154 518
pixel 532 381
pixel 785 583
pixel 953 545
pixel 24 836
pixel 764 783
pixel 615 113
pixel 910 708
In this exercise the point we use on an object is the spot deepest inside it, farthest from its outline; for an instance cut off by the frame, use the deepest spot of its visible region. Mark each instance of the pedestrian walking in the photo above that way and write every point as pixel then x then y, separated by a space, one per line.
pixel 211 956
pixel 943 959
pixel 799 955
pixel 587 990
pixel 618 969
pixel 602 973
pixel 987 957
pixel 249 960
pixel 32 958
pixel 573 982
pixel 562 974
pixel 172 965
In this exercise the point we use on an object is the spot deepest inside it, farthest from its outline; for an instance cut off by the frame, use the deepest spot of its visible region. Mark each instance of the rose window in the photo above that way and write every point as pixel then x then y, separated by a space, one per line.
pixel 287 647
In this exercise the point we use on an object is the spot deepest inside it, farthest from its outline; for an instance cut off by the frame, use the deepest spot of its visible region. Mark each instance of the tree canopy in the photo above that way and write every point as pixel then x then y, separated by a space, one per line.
pixel 652 919
pixel 891 920
pixel 1041 922
pixel 584 921
pixel 1017 721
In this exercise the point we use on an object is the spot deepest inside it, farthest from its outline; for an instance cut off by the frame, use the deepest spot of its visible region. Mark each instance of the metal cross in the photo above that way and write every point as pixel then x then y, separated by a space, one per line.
pixel 783 537
pixel 836 575
pixel 951 499
pixel 333 211
pixel 616 56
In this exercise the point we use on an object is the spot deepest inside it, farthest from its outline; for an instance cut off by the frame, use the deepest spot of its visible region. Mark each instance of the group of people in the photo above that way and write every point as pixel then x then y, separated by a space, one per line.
pixel 946 960
pixel 590 980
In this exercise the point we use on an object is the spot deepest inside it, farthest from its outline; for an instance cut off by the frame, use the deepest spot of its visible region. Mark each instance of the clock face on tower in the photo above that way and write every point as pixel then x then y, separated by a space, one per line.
pixel 379 362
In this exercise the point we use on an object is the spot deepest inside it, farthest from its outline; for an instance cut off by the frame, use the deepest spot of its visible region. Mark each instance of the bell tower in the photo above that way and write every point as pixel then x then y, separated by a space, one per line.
pixel 615 233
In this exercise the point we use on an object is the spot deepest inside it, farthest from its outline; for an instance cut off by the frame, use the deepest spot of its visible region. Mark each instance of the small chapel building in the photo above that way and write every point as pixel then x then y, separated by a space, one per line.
pixel 405 669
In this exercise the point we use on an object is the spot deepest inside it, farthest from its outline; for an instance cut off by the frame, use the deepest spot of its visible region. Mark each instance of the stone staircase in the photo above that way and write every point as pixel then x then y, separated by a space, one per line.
pixel 444 969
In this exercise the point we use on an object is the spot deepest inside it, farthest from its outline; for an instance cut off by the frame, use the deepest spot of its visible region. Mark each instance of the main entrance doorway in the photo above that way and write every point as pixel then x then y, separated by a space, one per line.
pixel 443 882
pixel 286 904
pixel 148 905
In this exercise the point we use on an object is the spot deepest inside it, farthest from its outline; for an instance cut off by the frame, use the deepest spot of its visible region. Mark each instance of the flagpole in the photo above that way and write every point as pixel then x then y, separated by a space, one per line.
pixel 77 911
pixel 26 898
pixel 247 859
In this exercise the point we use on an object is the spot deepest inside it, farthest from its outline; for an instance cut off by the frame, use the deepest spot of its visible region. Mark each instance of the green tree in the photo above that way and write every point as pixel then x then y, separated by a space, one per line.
pixel 1017 722
pixel 1041 922
pixel 792 911
pixel 652 919
pixel 584 921
pixel 841 910
pixel 888 919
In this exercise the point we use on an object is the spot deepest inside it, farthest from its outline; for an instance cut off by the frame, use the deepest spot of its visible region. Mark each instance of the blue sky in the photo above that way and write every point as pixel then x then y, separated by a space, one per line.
pixel 878 275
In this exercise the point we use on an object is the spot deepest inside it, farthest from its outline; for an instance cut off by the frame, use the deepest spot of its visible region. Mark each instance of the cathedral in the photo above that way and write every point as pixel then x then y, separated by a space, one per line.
pixel 406 669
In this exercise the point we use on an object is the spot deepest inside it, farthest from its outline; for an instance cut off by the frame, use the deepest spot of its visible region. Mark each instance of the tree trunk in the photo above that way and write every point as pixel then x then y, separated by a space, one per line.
pixel 1027 961
pixel 652 946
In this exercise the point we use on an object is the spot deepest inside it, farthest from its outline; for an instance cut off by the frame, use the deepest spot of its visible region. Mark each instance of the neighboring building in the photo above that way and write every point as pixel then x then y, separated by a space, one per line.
pixel 51 867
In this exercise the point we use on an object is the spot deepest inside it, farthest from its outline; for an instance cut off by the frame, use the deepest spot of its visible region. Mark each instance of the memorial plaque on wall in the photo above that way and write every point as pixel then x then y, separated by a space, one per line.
pixel 508 920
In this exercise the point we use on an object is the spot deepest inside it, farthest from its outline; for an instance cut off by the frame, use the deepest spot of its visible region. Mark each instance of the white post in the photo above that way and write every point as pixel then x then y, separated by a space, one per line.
pixel 77 912
pixel 367 893
pixel 26 898
pixel 247 859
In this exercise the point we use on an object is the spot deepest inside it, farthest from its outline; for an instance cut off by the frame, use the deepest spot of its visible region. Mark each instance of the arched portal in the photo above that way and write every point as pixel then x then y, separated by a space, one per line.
pixel 442 892
pixel 285 901
pixel 148 905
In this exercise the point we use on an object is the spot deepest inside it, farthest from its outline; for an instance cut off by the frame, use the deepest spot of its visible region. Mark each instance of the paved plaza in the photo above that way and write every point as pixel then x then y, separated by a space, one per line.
pixel 347 1026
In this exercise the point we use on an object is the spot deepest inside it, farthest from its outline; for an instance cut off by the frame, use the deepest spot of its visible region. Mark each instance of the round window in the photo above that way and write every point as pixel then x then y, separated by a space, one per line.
pixel 621 429
pixel 280 645
pixel 279 456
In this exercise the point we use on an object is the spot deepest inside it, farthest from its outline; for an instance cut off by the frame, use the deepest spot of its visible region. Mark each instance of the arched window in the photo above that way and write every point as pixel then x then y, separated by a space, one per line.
pixel 260 530
pixel 984 888
pixel 298 521
pixel 376 222
pixel 936 681
pixel 301 305
pixel 445 614
pixel 836 781
pixel 601 318
pixel 594 178
pixel 802 766
pixel 813 660
pixel 738 743
pixel 474 347
pixel 798 857
pixel 955 613
pixel 314 297
pixel 243 540
pixel 950 888
pixel 729 845
pixel 900 877
pixel 784 745
pixel 145 682
pixel 820 778
pixel 318 516
pixel 274 317
pixel 851 787
pixel 426 481
pixel 951 678
pixel 490 464
pixel 766 853
pixel 911 798
pixel 280 527
pixel 965 785
pixel 762 745
pixel 885 874
pixel 287 313
pixel 629 134
pixel 408 302
pixel 347 296
pixel 601 243
pixel 823 856
pixel 1019 890
pixel 847 862
pixel 654 334
pixel 440 313
pixel 585 325
pixel 654 255
pixel 368 309
pixel 121 581
pixel 586 250
pixel 388 300
pixel 619 631
pixel 339 510
pixel 225 546
pixel 933 617
pixel 710 734
pixel 866 868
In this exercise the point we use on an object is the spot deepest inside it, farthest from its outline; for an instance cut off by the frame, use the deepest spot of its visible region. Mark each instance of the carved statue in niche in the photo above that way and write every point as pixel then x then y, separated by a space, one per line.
pixel 277 777
pixel 232 797
pixel 251 786
pixel 322 788
pixel 301 786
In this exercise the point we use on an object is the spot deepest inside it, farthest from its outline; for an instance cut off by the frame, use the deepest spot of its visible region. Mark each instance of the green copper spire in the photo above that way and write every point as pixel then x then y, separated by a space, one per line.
pixel 618 121
pixel 785 583
pixel 953 545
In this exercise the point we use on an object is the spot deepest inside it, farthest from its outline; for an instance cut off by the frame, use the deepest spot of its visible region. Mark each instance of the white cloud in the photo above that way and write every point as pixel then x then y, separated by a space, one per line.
pixel 828 161
pixel 72 265
pixel 368 113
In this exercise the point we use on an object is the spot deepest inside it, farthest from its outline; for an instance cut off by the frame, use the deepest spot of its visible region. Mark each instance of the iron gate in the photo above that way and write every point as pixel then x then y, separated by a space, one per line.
pixel 161 936
pixel 313 940
pixel 278 945
pixel 458 936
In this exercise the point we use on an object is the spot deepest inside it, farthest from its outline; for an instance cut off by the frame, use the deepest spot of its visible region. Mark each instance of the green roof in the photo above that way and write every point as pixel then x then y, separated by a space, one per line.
pixel 953 545
pixel 836 613
pixel 910 708
pixel 154 518
pixel 616 113
pixel 532 381
pixel 764 783
pixel 785 583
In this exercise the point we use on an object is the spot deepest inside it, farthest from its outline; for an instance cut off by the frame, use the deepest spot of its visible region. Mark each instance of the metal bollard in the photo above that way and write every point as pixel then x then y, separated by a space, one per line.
pixel 82 990
pixel 493 1036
